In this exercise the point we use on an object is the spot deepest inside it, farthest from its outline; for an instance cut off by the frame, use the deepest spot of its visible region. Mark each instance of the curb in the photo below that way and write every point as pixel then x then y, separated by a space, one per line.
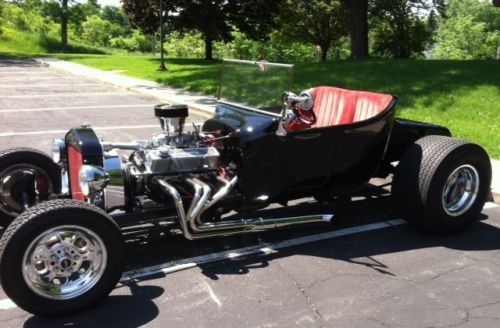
pixel 143 87
pixel 495 182
pixel 495 197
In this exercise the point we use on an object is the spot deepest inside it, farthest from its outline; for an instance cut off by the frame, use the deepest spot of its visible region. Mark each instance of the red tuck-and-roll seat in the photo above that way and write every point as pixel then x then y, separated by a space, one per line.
pixel 335 106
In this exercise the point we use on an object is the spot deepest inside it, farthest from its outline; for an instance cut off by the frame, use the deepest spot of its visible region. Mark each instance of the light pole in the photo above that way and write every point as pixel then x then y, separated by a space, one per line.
pixel 162 67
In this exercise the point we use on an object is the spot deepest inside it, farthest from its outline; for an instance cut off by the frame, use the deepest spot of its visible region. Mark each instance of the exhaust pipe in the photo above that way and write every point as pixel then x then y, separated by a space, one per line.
pixel 193 228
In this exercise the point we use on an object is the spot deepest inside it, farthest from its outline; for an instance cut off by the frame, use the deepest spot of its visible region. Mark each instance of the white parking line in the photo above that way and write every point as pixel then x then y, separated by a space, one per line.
pixel 268 248
pixel 489 205
pixel 257 249
pixel 38 78
pixel 67 94
pixel 7 304
pixel 265 249
pixel 262 249
pixel 27 85
pixel 97 128
pixel 21 110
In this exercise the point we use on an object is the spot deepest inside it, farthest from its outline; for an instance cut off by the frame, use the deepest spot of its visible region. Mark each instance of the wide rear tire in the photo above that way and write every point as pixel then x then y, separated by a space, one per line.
pixel 441 183
pixel 60 257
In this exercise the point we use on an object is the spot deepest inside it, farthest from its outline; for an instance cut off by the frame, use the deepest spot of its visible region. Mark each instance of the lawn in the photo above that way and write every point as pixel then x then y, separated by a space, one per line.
pixel 16 44
pixel 462 95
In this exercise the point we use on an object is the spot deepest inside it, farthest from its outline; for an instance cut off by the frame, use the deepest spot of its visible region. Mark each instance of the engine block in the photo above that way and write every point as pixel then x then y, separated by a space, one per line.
pixel 169 160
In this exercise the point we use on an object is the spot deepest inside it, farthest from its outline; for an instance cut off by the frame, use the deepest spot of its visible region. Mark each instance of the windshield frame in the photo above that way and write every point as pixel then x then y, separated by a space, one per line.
pixel 256 63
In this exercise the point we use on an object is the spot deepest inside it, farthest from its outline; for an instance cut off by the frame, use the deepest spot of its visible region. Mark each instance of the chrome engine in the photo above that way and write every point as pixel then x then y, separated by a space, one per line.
pixel 194 174
pixel 130 169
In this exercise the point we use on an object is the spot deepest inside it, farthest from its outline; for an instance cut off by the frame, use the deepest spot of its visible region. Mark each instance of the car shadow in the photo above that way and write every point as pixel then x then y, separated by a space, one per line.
pixel 363 248
pixel 123 311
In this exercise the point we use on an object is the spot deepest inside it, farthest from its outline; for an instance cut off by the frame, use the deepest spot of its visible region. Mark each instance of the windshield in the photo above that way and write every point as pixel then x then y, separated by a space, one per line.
pixel 255 84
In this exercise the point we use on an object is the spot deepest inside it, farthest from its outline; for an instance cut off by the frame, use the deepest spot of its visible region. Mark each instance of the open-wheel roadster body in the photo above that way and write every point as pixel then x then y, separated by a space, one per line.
pixel 63 249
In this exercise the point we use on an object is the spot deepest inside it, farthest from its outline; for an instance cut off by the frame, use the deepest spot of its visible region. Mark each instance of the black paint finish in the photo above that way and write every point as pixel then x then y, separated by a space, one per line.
pixel 85 140
pixel 305 162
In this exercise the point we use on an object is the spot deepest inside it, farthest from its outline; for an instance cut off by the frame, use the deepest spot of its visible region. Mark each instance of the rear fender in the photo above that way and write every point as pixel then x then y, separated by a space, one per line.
pixel 406 132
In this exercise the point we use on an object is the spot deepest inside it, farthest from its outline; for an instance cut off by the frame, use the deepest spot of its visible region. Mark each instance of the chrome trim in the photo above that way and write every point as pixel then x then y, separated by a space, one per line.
pixel 225 228
pixel 12 203
pixel 58 151
pixel 93 179
pixel 460 190
pixel 107 146
pixel 114 194
pixel 64 181
pixel 64 262
pixel 170 190
pixel 225 102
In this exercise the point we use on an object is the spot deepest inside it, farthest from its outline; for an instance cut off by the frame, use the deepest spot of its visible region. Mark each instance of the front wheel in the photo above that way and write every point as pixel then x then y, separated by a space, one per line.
pixel 59 257
pixel 441 183
pixel 27 176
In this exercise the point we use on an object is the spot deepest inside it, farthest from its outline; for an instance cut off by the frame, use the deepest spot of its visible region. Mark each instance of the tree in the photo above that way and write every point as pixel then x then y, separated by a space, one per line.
pixel 116 16
pixel 432 22
pixel 99 32
pixel 470 30
pixel 398 31
pixel 64 25
pixel 1 18
pixel 358 25
pixel 144 14
pixel 214 19
pixel 80 12
pixel 318 22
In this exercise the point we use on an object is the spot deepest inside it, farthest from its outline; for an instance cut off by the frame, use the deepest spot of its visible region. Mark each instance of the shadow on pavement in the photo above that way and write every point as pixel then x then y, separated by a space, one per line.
pixel 361 248
pixel 122 311
pixel 19 63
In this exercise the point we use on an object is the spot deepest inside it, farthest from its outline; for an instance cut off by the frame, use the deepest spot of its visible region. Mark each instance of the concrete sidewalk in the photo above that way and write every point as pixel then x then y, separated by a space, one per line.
pixel 201 104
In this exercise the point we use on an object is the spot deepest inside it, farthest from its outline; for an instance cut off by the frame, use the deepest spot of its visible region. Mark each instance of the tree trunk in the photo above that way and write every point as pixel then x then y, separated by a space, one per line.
pixel 358 11
pixel 324 52
pixel 64 25
pixel 208 48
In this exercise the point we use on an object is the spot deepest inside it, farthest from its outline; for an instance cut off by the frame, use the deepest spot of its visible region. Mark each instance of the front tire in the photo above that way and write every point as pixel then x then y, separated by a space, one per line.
pixel 21 169
pixel 441 183
pixel 60 257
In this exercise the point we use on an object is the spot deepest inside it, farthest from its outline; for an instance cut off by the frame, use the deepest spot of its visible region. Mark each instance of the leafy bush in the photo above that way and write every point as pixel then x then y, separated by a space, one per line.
pixel 99 32
pixel 191 45
pixel 188 45
pixel 136 42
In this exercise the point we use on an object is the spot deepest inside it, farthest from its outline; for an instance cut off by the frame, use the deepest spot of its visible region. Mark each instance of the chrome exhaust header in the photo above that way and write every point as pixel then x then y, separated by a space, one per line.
pixel 193 228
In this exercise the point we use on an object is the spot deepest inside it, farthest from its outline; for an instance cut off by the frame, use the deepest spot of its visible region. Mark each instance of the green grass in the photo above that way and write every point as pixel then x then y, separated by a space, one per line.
pixel 16 44
pixel 462 95
pixel 191 74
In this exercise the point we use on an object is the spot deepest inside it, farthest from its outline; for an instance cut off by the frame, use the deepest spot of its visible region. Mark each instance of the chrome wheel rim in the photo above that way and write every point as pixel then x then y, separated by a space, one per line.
pixel 14 182
pixel 64 262
pixel 460 191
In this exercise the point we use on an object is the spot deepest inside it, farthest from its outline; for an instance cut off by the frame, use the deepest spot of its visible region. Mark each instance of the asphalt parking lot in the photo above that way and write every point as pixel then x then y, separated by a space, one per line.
pixel 368 269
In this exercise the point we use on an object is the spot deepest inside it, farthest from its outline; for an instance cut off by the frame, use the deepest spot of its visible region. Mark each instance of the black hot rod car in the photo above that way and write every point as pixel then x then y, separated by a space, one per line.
pixel 63 249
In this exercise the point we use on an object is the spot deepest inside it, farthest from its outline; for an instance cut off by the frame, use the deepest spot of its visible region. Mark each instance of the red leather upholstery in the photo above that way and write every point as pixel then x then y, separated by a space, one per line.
pixel 334 106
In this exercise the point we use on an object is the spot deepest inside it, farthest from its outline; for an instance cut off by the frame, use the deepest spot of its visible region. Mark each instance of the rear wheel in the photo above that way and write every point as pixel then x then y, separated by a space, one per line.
pixel 26 176
pixel 441 183
pixel 59 257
